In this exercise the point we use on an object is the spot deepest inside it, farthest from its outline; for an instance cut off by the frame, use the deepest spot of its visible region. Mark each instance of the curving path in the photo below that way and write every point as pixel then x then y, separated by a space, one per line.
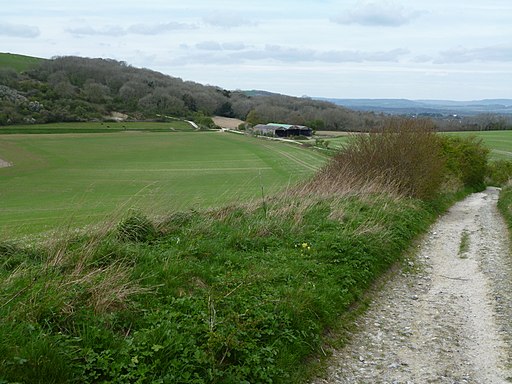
pixel 447 319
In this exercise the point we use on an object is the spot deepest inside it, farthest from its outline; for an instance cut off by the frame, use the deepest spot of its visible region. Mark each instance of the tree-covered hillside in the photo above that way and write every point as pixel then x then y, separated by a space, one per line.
pixel 81 89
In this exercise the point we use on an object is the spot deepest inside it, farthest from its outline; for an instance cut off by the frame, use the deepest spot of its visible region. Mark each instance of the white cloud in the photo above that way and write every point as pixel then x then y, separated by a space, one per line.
pixel 501 53
pixel 136 29
pixel 18 30
pixel 156 29
pixel 285 54
pixel 228 20
pixel 209 46
pixel 386 14
pixel 216 46
pixel 109 30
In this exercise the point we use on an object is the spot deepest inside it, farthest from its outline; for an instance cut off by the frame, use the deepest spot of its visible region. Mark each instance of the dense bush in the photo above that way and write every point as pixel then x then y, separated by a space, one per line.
pixel 499 172
pixel 466 160
pixel 404 156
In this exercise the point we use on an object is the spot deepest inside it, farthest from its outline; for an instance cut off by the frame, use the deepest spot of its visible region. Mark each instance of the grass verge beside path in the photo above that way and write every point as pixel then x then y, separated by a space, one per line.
pixel 505 205
pixel 241 294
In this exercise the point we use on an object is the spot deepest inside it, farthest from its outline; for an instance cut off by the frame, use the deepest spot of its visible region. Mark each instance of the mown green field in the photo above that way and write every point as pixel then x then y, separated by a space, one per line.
pixel 19 63
pixel 98 127
pixel 76 179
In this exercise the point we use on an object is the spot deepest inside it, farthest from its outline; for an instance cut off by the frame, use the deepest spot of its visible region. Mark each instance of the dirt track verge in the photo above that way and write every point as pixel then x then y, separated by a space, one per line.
pixel 447 318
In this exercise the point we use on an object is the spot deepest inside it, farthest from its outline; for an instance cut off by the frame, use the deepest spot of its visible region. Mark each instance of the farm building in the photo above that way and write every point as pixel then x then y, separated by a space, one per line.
pixel 282 130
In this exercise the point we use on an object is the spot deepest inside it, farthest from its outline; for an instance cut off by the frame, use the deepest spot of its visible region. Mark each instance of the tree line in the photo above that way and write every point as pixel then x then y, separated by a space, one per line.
pixel 83 89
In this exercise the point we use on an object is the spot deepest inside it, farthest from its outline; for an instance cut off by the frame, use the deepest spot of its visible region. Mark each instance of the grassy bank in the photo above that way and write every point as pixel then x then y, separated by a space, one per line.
pixel 242 293
pixel 505 205
pixel 19 63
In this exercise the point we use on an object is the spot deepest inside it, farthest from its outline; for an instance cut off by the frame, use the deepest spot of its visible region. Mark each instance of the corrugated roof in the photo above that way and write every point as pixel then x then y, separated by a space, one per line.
pixel 286 126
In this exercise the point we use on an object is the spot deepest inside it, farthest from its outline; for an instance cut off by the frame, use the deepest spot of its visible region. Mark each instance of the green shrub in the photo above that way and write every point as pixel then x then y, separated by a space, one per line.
pixel 466 160
pixel 499 172
pixel 404 155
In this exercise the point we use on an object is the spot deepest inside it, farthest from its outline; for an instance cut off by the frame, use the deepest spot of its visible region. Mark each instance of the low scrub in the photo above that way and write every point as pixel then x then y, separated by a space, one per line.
pixel 499 172
pixel 466 160
pixel 404 157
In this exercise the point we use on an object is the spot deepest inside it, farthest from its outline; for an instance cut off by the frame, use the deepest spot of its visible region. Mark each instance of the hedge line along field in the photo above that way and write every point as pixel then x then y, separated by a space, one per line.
pixel 61 180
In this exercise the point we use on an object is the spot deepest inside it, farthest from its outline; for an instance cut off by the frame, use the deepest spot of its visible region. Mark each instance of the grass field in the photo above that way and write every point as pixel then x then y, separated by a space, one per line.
pixel 98 127
pixel 499 142
pixel 18 62
pixel 76 179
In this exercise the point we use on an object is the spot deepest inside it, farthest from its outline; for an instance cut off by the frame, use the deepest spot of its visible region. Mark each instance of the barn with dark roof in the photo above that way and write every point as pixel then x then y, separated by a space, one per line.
pixel 282 130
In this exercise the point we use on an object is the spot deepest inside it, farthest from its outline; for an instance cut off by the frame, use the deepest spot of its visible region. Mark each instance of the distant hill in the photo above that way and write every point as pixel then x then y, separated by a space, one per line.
pixel 19 63
pixel 426 107
pixel 73 88
pixel 69 88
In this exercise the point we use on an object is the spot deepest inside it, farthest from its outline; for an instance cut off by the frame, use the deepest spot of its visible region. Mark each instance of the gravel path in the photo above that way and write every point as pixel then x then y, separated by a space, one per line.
pixel 447 319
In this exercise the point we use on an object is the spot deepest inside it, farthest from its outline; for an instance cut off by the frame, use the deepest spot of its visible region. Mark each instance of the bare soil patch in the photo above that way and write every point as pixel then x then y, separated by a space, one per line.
pixel 447 319
pixel 227 122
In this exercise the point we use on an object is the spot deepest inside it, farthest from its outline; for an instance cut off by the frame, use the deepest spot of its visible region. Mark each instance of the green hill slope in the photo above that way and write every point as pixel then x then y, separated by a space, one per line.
pixel 20 63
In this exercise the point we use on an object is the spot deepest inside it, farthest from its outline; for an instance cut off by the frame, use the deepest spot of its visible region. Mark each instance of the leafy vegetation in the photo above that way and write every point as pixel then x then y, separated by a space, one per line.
pixel 242 293
pixel 78 89
pixel 499 172
pixel 466 160
pixel 505 205
pixel 499 142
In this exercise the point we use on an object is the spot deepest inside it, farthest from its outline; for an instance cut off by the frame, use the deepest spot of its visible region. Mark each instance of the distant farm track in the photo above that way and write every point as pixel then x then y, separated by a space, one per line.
pixel 78 178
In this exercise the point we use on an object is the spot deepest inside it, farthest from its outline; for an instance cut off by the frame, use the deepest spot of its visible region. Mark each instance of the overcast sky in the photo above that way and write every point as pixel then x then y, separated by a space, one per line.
pixel 416 49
